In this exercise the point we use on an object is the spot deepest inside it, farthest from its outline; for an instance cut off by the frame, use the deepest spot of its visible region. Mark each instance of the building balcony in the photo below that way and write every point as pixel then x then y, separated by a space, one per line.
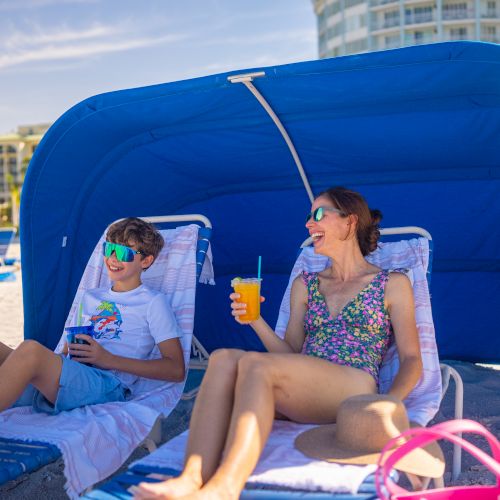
pixel 456 15
pixel 420 18
pixel 385 45
pixel 488 37
pixel 455 37
pixel 491 14
pixel 385 24
pixel 420 40
pixel 376 3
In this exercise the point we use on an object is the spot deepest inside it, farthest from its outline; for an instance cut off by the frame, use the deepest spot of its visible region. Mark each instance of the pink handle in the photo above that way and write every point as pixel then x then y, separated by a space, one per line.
pixel 423 436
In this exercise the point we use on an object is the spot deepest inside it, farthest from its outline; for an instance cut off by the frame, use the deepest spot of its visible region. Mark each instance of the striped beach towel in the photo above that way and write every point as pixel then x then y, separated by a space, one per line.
pixel 96 440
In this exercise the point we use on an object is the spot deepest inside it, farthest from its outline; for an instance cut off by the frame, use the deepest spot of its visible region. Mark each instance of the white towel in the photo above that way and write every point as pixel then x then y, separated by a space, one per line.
pixel 280 463
pixel 423 401
pixel 96 440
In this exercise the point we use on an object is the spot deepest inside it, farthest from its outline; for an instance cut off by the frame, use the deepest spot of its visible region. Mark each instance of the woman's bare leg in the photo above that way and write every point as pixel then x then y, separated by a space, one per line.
pixel 305 389
pixel 30 363
pixel 4 352
pixel 207 429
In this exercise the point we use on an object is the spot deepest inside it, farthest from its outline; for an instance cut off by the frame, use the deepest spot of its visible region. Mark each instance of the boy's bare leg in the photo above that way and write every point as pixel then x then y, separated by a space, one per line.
pixel 207 429
pixel 305 389
pixel 30 363
pixel 4 352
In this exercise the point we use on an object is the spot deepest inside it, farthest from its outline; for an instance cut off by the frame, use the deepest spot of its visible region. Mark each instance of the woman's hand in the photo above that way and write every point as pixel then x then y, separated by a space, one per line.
pixel 93 353
pixel 240 308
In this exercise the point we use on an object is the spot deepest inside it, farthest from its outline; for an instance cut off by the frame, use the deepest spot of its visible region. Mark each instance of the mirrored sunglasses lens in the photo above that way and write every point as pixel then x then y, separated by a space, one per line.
pixel 318 214
pixel 308 217
pixel 124 254
pixel 107 249
pixel 119 252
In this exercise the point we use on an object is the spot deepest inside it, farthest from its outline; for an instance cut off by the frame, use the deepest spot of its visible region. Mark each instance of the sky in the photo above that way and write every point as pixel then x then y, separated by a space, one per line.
pixel 55 53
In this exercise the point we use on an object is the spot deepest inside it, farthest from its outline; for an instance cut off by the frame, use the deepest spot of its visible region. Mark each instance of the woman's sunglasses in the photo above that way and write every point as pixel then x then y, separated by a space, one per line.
pixel 123 253
pixel 319 213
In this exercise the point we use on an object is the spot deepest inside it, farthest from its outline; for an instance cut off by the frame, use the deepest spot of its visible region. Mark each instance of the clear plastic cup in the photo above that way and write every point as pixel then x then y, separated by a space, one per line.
pixel 249 290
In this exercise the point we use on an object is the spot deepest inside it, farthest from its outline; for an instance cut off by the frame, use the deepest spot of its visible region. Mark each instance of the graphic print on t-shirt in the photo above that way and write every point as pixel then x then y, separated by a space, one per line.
pixel 107 321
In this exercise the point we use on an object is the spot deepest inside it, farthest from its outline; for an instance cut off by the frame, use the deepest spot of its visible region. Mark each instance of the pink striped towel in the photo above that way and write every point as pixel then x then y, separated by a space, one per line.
pixel 96 440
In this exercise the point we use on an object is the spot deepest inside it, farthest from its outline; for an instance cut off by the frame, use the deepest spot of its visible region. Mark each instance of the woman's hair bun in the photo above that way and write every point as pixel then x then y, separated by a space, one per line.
pixel 376 216
pixel 372 233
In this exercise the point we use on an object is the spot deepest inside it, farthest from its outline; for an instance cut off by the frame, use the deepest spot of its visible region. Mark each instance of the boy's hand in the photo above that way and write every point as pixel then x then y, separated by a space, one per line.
pixel 93 353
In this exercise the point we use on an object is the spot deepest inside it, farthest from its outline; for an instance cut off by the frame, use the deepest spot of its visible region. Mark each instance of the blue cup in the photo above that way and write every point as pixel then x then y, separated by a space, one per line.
pixel 71 331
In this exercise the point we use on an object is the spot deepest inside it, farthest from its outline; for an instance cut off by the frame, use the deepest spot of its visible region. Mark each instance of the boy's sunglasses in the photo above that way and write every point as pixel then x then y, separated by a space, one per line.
pixel 123 253
pixel 319 213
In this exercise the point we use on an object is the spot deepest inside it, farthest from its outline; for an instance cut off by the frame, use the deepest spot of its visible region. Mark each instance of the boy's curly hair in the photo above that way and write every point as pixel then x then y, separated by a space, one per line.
pixel 136 231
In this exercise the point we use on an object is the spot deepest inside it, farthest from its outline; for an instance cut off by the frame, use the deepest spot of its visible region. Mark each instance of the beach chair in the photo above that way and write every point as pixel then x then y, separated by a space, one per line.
pixel 95 440
pixel 7 269
pixel 283 472
pixel 6 235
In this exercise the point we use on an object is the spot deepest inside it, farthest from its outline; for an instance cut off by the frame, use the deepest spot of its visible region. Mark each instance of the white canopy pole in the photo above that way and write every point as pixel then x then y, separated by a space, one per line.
pixel 247 79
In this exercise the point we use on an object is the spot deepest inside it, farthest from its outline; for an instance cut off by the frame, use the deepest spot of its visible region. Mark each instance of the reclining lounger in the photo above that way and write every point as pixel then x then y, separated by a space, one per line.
pixel 184 257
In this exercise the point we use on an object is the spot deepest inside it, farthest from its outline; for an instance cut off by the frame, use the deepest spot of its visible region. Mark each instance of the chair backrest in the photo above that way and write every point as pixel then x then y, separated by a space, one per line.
pixel 6 235
pixel 423 402
pixel 174 273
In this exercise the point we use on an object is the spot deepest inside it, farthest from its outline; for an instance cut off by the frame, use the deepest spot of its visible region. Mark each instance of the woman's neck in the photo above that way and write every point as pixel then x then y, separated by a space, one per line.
pixel 347 261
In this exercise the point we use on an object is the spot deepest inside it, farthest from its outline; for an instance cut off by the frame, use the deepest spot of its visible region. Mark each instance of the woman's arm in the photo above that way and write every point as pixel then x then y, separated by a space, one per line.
pixel 401 307
pixel 294 336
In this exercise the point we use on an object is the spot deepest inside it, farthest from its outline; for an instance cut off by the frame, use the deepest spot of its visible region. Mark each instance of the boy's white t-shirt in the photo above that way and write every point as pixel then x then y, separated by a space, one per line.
pixel 129 324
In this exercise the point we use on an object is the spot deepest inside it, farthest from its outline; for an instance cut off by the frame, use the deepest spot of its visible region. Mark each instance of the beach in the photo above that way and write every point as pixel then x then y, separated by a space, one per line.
pixel 481 403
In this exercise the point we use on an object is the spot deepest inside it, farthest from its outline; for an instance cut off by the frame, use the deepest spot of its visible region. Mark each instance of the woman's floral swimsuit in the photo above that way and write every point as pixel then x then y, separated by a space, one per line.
pixel 359 336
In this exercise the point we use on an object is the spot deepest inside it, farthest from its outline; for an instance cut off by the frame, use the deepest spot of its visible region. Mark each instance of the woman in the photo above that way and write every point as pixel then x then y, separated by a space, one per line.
pixel 341 323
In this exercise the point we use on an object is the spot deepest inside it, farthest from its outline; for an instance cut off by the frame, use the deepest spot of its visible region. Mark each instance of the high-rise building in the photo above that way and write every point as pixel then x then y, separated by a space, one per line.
pixel 353 26
pixel 15 150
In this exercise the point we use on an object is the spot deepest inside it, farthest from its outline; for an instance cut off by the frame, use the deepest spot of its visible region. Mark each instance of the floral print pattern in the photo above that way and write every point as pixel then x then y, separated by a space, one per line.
pixel 359 336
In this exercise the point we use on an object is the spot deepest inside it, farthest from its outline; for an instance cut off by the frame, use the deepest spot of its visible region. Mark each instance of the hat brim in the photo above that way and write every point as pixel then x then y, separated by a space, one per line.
pixel 321 443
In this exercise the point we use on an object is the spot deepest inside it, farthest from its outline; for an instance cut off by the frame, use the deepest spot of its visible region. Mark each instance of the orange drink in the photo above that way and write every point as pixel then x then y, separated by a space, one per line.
pixel 249 290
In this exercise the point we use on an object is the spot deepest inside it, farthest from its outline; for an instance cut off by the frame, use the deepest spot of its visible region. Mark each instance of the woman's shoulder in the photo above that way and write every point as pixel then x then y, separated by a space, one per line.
pixel 303 280
pixel 307 277
pixel 308 274
pixel 397 281
pixel 398 275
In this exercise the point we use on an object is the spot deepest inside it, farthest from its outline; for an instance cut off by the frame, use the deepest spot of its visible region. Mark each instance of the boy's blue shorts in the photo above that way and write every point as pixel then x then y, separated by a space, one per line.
pixel 79 385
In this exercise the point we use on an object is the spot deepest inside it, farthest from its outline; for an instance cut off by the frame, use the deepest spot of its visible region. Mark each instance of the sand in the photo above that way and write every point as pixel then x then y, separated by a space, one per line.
pixel 481 403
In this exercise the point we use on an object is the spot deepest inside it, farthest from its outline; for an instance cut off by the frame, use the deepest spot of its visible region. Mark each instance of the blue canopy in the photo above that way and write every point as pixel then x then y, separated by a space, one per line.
pixel 415 130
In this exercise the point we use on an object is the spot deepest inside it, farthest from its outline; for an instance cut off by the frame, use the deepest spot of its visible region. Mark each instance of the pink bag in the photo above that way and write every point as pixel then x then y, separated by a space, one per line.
pixel 417 437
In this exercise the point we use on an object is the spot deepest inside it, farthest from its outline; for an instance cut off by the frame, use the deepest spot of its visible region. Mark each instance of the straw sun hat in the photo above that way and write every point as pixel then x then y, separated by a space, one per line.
pixel 364 425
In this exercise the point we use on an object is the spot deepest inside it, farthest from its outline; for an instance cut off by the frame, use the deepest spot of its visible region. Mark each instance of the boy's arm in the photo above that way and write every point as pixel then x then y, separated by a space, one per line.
pixel 169 367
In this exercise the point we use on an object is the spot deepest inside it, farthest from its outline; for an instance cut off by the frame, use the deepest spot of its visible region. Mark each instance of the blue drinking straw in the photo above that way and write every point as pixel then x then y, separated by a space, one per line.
pixel 259 266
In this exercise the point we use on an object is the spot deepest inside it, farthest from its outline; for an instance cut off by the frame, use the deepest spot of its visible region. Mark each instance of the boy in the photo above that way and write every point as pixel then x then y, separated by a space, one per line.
pixel 128 320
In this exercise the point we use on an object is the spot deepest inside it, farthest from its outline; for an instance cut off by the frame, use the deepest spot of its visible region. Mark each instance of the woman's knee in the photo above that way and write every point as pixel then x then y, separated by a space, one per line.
pixel 225 360
pixel 255 365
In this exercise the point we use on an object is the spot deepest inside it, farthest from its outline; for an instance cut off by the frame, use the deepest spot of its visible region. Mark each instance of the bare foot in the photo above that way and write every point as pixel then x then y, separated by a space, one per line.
pixel 173 488
pixel 213 492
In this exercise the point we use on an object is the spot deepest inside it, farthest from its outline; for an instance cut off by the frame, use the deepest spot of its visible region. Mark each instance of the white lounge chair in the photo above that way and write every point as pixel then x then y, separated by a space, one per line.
pixel 95 440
